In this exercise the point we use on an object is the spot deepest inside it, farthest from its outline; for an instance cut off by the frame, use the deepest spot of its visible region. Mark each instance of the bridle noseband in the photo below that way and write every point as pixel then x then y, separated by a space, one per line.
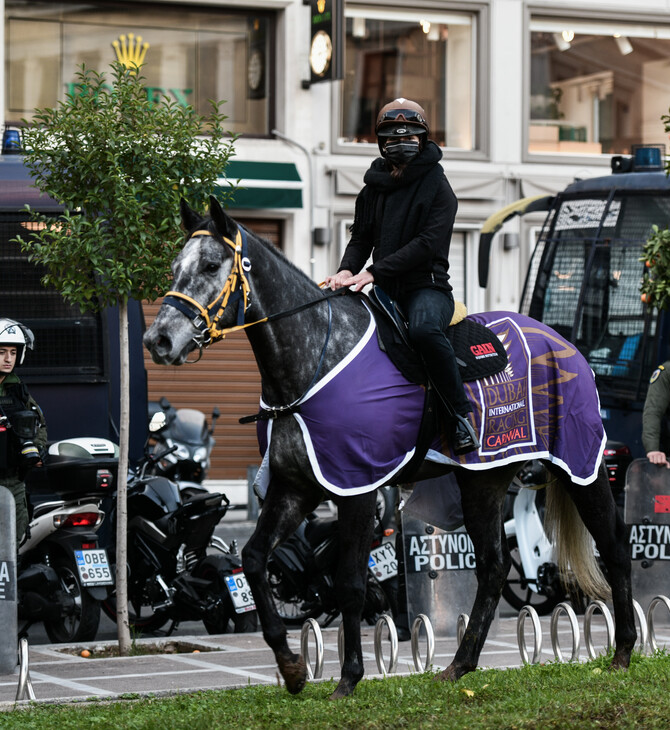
pixel 236 289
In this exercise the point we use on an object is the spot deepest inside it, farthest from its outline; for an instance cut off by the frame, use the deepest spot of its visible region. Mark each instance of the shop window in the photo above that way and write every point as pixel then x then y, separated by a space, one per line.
pixel 427 57
pixel 189 55
pixel 596 87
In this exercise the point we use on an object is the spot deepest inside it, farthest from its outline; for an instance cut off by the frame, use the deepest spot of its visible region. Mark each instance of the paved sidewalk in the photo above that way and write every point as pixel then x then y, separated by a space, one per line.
pixel 58 673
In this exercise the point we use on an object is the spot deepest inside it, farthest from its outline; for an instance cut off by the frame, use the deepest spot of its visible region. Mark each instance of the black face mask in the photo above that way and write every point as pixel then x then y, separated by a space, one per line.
pixel 401 152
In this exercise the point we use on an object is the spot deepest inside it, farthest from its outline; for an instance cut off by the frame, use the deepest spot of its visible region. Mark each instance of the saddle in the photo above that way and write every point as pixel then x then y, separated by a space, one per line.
pixel 479 353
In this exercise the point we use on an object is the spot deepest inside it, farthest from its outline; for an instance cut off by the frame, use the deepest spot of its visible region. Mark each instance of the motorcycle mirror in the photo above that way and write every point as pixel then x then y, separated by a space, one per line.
pixel 215 415
pixel 157 422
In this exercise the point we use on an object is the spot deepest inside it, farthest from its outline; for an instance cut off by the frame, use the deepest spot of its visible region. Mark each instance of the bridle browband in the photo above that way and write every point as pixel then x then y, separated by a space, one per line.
pixel 235 289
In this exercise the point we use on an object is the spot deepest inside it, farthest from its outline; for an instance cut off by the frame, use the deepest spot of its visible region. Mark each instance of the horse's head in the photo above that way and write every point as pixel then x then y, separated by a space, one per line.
pixel 209 287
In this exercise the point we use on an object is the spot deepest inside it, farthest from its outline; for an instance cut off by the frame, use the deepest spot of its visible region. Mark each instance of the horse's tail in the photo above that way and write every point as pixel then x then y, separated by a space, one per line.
pixel 573 544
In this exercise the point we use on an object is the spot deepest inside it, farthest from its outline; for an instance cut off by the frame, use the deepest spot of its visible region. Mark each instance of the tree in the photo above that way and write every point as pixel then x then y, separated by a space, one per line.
pixel 119 163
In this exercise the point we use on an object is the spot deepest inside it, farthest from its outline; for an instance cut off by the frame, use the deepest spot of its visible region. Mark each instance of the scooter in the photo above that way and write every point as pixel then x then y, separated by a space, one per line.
pixel 187 431
pixel 302 569
pixel 62 570
pixel 171 576
pixel 534 578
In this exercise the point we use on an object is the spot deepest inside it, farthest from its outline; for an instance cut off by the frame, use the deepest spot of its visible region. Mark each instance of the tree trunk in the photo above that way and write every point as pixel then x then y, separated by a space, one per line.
pixel 121 489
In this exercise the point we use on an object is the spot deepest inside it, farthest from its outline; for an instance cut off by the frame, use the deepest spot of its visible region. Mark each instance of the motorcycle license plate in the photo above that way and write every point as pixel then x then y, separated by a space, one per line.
pixel 240 592
pixel 383 562
pixel 93 567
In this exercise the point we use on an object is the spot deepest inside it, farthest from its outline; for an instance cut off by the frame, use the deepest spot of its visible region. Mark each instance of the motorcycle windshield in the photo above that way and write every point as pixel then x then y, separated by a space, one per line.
pixel 189 426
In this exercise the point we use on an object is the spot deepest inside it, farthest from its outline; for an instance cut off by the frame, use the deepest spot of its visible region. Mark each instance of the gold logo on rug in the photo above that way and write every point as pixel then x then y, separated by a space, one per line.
pixel 130 51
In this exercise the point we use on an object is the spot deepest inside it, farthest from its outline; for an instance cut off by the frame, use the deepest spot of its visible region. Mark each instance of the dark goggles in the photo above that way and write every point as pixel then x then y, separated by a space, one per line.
pixel 401 115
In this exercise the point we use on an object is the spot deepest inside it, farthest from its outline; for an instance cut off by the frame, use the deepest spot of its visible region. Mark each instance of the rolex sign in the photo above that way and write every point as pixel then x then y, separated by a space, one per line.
pixel 326 46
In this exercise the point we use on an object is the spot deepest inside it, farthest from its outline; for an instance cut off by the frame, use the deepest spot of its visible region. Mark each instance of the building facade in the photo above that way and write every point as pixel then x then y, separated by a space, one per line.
pixel 522 96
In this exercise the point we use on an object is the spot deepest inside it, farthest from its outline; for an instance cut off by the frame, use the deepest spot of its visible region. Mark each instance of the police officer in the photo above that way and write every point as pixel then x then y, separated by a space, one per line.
pixel 23 433
pixel 657 402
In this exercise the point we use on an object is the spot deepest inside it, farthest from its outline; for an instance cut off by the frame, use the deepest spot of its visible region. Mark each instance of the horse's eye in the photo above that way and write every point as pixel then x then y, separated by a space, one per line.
pixel 212 268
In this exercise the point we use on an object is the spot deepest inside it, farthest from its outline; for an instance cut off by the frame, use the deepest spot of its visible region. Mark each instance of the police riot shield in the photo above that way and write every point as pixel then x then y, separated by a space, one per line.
pixel 439 567
pixel 647 513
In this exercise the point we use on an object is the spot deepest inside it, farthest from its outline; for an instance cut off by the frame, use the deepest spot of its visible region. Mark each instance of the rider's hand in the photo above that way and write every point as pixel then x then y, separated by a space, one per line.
pixel 658 457
pixel 356 283
pixel 337 281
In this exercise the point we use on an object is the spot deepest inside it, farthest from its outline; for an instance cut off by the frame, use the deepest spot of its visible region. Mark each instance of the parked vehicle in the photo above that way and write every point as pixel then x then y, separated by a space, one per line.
pixel 301 573
pixel 171 576
pixel 62 570
pixel 533 579
pixel 188 432
pixel 584 281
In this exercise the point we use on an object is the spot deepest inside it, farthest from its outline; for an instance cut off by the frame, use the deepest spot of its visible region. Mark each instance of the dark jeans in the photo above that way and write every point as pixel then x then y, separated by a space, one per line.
pixel 429 312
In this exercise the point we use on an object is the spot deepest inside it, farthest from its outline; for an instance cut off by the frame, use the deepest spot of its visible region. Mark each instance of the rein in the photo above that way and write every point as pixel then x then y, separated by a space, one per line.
pixel 235 289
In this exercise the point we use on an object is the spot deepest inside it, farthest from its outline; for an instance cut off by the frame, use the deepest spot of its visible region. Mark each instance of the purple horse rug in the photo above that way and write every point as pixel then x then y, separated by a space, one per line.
pixel 360 423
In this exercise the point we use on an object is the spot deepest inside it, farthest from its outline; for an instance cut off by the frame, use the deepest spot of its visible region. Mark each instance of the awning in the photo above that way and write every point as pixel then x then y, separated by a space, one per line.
pixel 263 184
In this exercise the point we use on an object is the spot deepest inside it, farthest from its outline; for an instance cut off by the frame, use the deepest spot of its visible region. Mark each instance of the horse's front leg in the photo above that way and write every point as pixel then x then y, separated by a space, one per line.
pixel 482 498
pixel 355 528
pixel 283 510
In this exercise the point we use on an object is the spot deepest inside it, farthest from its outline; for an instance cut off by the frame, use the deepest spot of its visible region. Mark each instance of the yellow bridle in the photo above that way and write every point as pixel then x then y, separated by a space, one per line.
pixel 206 319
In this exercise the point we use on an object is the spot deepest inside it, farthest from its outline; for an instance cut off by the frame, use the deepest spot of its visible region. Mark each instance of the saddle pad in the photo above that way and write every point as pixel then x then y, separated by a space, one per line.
pixel 479 352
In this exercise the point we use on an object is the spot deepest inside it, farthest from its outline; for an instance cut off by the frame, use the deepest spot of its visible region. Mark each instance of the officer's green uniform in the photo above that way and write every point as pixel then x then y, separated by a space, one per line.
pixel 656 407
pixel 11 389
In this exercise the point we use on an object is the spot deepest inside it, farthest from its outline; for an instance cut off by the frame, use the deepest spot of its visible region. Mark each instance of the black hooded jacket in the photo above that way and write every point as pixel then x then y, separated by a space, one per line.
pixel 406 224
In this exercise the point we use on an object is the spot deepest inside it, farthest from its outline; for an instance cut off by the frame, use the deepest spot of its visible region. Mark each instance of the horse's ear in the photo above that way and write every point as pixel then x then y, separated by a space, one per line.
pixel 225 225
pixel 189 218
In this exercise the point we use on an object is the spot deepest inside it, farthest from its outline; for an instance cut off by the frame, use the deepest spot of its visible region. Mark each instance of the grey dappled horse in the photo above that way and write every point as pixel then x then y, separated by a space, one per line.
pixel 225 275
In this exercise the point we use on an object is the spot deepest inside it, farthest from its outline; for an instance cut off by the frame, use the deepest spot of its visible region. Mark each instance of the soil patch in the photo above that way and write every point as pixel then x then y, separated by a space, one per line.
pixel 137 648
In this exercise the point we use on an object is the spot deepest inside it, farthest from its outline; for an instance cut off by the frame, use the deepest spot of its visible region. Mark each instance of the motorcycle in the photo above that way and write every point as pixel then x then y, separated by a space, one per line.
pixel 187 431
pixel 301 573
pixel 171 576
pixel 533 579
pixel 62 570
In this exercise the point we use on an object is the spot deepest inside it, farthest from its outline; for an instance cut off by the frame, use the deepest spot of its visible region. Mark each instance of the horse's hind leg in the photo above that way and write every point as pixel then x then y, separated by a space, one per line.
pixel 283 510
pixel 482 497
pixel 355 528
pixel 599 513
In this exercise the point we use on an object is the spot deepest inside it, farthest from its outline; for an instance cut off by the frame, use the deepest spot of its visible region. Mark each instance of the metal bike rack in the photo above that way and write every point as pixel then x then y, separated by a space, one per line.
pixel 461 625
pixel 25 684
pixel 393 637
pixel 653 645
pixel 567 609
pixel 524 613
pixel 430 642
pixel 641 645
pixel 588 617
pixel 313 626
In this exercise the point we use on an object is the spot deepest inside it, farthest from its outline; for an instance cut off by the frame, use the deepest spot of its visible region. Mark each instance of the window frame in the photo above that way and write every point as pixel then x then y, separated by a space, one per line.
pixel 481 81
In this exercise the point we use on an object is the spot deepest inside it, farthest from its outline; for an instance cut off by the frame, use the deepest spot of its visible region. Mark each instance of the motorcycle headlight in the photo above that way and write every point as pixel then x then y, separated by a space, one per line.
pixel 181 452
pixel 200 454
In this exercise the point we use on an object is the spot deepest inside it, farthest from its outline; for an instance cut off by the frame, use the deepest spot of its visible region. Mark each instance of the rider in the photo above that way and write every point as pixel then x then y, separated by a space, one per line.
pixel 404 217
pixel 23 434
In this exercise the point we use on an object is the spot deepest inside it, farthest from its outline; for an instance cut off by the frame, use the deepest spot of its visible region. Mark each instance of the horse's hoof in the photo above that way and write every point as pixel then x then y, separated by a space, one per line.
pixel 451 674
pixel 343 689
pixel 619 664
pixel 295 675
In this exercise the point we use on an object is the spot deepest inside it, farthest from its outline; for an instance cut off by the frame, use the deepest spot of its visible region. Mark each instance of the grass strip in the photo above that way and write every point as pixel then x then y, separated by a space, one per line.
pixel 553 695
